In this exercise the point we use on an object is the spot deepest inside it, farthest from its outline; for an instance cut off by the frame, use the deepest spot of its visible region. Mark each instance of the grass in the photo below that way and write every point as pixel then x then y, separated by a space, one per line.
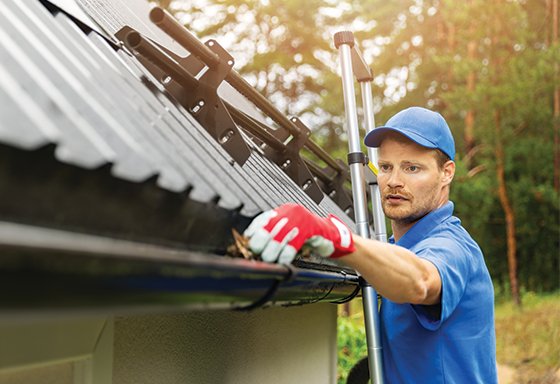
pixel 527 339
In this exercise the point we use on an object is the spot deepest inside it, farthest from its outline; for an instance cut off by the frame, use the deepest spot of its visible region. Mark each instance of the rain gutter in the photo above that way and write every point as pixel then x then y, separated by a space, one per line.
pixel 45 270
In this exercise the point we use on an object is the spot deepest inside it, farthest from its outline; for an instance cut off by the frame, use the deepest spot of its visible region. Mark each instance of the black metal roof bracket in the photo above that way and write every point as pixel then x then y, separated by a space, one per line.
pixel 332 182
pixel 336 190
pixel 292 163
pixel 200 97
pixel 275 147
pixel 213 56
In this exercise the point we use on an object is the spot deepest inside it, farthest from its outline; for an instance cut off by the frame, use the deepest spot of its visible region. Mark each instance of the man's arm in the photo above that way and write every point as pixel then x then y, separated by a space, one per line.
pixel 398 274
pixel 395 272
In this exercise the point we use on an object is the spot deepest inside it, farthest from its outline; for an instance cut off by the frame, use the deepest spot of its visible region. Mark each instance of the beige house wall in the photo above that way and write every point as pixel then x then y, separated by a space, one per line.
pixel 275 345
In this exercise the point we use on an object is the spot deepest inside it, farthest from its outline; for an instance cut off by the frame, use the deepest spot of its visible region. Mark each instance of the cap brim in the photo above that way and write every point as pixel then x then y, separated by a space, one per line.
pixel 376 136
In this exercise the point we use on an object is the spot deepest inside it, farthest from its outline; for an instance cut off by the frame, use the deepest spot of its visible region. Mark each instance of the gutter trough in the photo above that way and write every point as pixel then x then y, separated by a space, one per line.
pixel 45 270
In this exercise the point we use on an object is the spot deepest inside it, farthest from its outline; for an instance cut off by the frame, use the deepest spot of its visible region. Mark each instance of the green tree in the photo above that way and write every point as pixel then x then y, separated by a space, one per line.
pixel 512 100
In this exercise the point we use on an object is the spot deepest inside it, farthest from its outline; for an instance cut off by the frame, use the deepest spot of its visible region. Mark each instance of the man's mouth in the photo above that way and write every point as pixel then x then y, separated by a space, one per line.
pixel 395 198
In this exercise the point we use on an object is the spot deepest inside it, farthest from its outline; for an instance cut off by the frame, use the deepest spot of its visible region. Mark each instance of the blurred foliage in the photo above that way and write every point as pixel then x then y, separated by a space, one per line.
pixel 476 56
pixel 352 346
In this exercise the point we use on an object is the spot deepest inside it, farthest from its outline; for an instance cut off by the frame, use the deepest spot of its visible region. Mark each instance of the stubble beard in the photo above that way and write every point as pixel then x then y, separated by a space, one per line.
pixel 411 211
pixel 403 215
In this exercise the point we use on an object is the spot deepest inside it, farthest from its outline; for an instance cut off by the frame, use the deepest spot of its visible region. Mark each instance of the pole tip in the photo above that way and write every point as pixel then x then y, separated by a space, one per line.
pixel 343 37
pixel 133 39
pixel 157 15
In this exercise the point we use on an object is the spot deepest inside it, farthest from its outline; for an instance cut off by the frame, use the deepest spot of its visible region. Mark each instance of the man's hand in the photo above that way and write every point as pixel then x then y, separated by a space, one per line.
pixel 279 234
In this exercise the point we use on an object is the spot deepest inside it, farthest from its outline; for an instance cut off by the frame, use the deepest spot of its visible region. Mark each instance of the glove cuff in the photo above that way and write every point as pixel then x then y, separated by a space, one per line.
pixel 345 243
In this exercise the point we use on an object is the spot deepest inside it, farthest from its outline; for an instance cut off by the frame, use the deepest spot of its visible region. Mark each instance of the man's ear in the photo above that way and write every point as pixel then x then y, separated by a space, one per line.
pixel 448 172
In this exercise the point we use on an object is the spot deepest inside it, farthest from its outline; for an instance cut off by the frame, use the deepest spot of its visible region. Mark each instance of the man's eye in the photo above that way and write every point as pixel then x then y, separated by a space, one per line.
pixel 413 168
pixel 384 167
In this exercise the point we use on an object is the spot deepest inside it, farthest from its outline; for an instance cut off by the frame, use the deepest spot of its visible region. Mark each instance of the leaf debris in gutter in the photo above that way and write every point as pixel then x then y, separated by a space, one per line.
pixel 240 248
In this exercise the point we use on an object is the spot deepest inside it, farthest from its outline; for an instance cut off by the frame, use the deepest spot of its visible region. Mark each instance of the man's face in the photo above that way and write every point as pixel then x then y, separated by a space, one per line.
pixel 410 181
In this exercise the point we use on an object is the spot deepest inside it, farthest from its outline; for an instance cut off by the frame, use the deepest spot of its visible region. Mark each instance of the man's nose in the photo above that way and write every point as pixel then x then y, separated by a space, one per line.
pixel 394 179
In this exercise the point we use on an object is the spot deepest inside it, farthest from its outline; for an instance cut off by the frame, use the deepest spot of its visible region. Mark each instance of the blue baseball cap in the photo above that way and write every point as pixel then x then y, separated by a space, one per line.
pixel 426 128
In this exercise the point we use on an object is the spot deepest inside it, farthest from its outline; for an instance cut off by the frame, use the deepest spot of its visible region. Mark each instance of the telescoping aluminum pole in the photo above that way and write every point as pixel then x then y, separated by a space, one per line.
pixel 344 42
pixel 378 216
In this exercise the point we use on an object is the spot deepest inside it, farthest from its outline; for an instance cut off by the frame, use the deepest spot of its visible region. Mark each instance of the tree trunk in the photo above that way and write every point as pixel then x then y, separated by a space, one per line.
pixel 471 82
pixel 508 211
pixel 469 117
pixel 556 116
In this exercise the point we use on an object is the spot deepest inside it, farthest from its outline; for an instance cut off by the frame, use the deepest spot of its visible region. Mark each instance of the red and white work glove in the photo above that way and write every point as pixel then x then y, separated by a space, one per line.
pixel 279 234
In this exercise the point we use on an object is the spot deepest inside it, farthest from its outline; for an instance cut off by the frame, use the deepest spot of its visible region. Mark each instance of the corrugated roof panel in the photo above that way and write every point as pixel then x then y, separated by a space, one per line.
pixel 330 206
pixel 75 92
pixel 288 189
pixel 102 107
pixel 135 129
pixel 35 128
pixel 132 138
pixel 75 145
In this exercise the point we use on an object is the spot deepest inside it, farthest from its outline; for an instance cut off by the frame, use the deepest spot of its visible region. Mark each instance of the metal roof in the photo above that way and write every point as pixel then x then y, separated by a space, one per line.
pixel 91 142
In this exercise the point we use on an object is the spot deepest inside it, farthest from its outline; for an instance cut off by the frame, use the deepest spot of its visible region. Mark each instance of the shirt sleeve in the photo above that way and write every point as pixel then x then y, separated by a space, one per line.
pixel 453 265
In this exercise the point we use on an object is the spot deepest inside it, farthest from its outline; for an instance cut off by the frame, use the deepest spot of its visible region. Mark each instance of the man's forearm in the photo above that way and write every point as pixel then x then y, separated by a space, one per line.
pixel 395 272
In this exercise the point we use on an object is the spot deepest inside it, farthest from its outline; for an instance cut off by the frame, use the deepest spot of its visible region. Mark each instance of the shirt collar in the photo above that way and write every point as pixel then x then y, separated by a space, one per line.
pixel 424 226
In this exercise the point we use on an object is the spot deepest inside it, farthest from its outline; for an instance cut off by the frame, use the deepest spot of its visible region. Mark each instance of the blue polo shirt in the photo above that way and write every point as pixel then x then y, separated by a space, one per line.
pixel 454 342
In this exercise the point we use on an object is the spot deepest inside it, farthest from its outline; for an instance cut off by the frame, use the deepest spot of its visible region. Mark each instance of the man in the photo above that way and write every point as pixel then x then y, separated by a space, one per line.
pixel 437 311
